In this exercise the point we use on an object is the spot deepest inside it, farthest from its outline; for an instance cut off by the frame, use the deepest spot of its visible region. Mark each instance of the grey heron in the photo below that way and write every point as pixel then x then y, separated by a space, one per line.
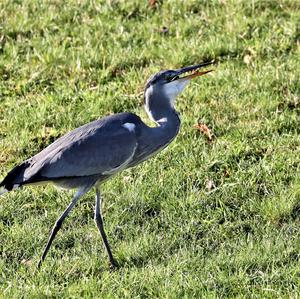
pixel 92 153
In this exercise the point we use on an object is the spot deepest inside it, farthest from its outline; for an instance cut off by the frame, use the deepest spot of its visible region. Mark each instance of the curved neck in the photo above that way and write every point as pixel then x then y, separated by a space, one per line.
pixel 158 106
pixel 163 114
pixel 169 121
pixel 154 139
pixel 166 118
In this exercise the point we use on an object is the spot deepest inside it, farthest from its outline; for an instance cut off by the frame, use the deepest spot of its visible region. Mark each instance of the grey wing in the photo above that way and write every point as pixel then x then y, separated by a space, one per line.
pixel 96 151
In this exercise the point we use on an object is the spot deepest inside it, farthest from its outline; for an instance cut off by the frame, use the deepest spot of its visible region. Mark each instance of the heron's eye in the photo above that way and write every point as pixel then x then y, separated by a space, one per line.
pixel 168 77
pixel 173 78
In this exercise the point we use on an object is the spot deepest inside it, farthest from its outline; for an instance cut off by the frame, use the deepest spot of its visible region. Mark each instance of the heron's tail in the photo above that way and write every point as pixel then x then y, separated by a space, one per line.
pixel 14 178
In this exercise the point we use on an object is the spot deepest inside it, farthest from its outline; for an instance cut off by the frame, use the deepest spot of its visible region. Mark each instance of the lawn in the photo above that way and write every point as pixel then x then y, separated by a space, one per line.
pixel 203 219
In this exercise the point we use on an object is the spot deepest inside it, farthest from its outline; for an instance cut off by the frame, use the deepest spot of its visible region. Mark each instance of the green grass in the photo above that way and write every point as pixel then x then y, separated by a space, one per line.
pixel 65 64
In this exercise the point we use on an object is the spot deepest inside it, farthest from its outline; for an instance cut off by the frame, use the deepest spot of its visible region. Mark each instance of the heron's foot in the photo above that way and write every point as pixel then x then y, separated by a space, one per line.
pixel 39 264
pixel 114 265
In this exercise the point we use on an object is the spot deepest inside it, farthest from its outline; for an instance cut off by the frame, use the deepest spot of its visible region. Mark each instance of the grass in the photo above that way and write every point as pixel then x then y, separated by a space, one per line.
pixel 202 219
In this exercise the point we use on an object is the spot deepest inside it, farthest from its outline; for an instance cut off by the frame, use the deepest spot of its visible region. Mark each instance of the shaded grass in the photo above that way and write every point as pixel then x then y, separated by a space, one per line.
pixel 65 64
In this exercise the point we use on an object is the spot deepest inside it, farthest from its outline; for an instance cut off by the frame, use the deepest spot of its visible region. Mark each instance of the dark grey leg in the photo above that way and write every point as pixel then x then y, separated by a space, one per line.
pixel 99 222
pixel 60 221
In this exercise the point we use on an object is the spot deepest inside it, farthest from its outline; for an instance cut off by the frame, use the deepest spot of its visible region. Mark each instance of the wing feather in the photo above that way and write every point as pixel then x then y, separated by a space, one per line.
pixel 100 147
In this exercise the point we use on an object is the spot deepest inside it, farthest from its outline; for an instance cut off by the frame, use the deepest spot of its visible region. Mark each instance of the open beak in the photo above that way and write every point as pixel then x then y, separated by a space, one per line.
pixel 175 86
pixel 193 69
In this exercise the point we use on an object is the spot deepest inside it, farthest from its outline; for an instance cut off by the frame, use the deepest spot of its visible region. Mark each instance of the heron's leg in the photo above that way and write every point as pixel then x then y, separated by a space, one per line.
pixel 60 220
pixel 99 222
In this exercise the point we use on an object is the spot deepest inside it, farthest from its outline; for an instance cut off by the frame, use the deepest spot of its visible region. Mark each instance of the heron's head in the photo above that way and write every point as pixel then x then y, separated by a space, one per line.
pixel 163 88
